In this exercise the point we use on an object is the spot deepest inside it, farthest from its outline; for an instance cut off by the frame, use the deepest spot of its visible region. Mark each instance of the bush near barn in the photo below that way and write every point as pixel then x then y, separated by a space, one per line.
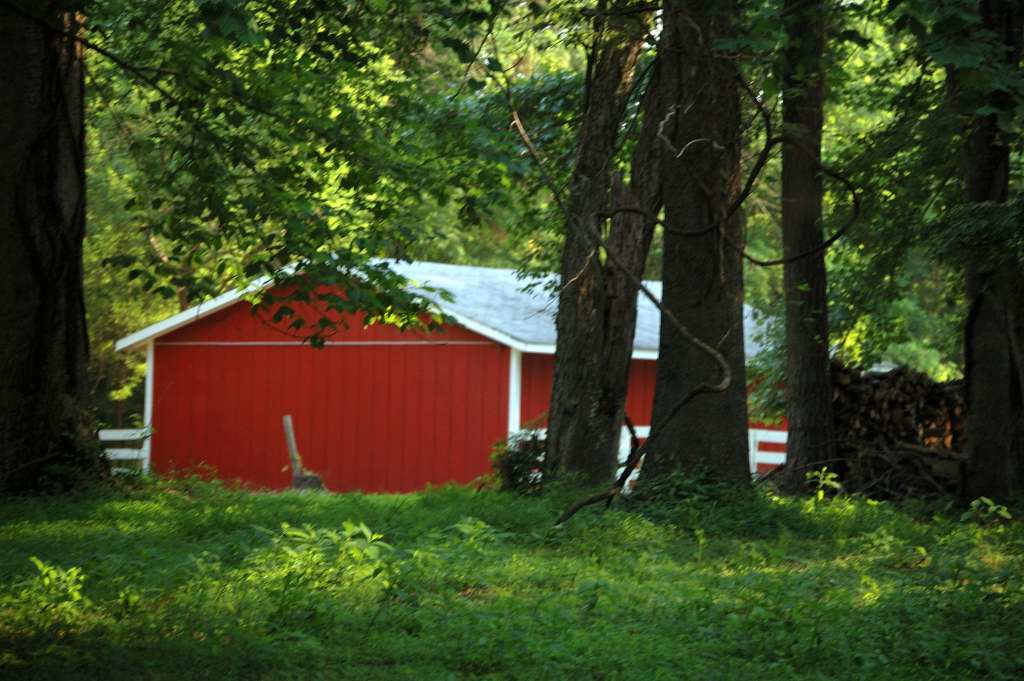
pixel 192 579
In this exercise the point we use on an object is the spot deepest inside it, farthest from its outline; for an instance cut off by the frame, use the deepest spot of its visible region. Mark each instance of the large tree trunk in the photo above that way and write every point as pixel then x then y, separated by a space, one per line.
pixel 596 303
pixel 43 344
pixel 994 399
pixel 702 274
pixel 808 384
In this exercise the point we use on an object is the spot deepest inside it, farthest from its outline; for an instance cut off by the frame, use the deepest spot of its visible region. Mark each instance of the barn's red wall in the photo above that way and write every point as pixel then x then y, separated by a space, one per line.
pixel 371 417
pixel 377 409
pixel 239 323
pixel 538 374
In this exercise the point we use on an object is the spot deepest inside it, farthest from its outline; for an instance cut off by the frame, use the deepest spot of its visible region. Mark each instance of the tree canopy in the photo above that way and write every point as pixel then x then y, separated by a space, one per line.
pixel 309 142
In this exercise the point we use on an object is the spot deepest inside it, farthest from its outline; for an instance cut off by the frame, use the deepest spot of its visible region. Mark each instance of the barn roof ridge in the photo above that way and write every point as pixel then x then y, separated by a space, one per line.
pixel 490 301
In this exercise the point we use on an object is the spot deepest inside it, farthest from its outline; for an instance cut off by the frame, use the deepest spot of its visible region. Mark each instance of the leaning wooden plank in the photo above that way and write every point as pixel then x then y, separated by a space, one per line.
pixel 301 477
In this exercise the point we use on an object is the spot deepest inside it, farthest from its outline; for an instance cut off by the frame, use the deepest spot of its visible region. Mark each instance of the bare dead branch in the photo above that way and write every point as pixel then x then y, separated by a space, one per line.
pixel 762 160
pixel 594 234
pixel 824 245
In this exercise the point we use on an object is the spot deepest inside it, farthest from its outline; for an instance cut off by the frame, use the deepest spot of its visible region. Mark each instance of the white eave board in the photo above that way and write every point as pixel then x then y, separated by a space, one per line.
pixel 486 300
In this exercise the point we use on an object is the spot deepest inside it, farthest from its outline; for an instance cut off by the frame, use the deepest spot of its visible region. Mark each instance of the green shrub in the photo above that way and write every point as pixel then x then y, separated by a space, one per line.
pixel 53 598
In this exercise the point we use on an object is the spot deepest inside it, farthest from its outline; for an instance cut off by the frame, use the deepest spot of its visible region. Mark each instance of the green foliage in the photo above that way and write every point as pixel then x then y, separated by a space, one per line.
pixel 52 599
pixel 823 482
pixel 182 581
pixel 246 139
pixel 985 234
pixel 888 129
pixel 986 511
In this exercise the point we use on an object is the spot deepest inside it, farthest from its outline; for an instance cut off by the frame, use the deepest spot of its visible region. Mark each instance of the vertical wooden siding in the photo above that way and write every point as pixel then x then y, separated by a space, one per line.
pixel 537 377
pixel 374 417
pixel 391 417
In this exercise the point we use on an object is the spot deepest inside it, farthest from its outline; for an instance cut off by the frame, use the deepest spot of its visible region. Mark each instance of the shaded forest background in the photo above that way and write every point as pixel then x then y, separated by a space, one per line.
pixel 890 301
pixel 228 140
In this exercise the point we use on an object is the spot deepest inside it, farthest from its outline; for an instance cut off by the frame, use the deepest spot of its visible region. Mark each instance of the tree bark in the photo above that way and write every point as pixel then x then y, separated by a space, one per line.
pixel 702 275
pixel 811 442
pixel 596 316
pixel 43 346
pixel 995 413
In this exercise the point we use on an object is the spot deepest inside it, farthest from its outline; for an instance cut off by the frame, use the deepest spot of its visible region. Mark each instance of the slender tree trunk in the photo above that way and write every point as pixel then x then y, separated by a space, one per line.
pixel 995 413
pixel 597 304
pixel 702 274
pixel 808 383
pixel 43 344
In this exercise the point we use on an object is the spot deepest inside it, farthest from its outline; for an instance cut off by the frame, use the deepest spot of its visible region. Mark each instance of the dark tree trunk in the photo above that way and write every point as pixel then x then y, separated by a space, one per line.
pixel 596 303
pixel 808 384
pixel 43 344
pixel 994 399
pixel 702 274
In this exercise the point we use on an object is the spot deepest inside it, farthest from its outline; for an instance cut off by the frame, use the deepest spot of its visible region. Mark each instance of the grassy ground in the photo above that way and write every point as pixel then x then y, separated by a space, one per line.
pixel 195 580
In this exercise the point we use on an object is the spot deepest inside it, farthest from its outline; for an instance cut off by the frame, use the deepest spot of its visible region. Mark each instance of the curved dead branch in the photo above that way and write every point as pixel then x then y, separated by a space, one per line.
pixel 594 234
pixel 824 245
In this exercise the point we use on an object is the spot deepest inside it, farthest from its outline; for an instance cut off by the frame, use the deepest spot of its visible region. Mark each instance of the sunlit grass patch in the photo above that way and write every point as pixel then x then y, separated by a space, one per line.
pixel 200 580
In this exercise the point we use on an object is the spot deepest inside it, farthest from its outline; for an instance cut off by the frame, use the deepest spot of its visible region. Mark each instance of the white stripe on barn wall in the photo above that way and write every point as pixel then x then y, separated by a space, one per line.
pixel 329 343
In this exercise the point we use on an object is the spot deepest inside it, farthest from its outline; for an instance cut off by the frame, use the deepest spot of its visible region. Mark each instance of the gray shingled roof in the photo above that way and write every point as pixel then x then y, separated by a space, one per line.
pixel 496 298
pixel 491 301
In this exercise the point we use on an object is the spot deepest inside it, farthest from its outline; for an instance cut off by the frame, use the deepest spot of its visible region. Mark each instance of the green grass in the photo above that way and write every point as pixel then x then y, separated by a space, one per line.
pixel 197 580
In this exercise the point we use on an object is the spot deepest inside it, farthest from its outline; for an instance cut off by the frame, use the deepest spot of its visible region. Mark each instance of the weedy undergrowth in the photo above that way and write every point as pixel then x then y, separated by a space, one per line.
pixel 201 580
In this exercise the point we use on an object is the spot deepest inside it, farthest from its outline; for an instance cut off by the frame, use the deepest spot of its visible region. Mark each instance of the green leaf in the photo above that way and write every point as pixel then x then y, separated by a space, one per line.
pixel 462 49
pixel 855 37
pixel 282 312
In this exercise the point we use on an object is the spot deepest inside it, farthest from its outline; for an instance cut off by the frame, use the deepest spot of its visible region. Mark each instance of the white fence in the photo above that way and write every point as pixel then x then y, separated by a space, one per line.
pixel 757 438
pixel 125 453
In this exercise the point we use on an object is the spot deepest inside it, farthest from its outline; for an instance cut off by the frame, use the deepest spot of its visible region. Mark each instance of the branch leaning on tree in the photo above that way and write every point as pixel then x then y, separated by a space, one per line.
pixel 770 142
pixel 824 245
pixel 762 160
pixel 748 186
pixel 594 234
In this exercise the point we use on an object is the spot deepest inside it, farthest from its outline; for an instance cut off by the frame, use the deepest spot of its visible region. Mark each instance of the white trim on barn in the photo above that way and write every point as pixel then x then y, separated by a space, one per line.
pixel 517 317
pixel 136 340
pixel 515 390
pixel 489 332
pixel 326 343
pixel 147 410
pixel 149 334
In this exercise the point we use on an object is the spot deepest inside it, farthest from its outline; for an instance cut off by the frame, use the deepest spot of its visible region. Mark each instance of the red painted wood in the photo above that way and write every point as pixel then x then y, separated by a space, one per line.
pixel 376 418
pixel 538 375
pixel 238 322
pixel 782 424
pixel 368 417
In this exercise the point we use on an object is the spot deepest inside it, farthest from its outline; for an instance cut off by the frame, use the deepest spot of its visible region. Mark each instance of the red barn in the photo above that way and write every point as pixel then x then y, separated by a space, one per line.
pixel 376 409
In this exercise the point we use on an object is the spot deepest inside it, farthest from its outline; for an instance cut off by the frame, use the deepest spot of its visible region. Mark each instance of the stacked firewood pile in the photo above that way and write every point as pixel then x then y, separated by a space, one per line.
pixel 899 433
